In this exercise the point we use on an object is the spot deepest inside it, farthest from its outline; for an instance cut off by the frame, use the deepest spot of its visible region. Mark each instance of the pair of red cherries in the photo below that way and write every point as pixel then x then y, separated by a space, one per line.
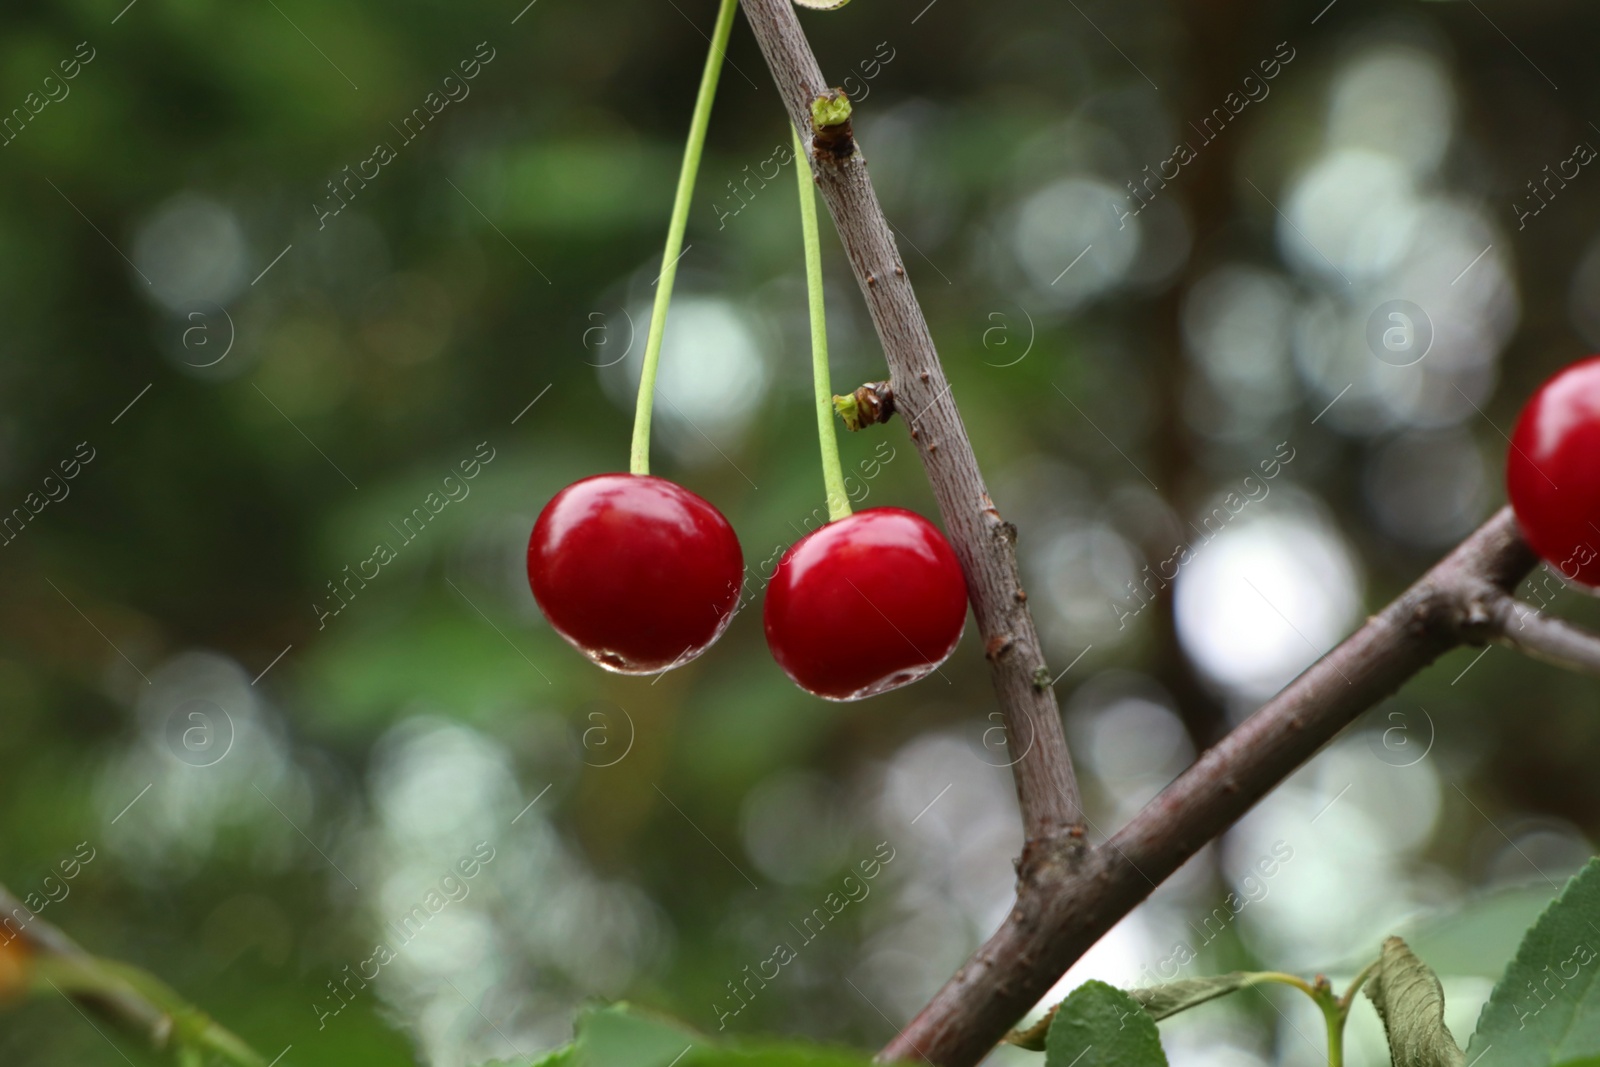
pixel 641 575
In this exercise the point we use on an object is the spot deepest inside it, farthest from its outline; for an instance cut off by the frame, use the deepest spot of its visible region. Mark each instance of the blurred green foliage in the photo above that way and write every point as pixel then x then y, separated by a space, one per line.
pixel 461 285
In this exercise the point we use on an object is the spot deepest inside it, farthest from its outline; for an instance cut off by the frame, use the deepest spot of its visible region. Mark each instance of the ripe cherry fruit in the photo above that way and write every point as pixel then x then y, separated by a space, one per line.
pixel 636 572
pixel 1553 471
pixel 866 604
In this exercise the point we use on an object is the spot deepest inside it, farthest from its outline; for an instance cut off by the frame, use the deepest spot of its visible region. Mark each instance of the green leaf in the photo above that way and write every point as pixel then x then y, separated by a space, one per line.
pixel 621 1035
pixel 1101 1026
pixel 1170 998
pixel 1481 937
pixel 1546 1008
pixel 1160 1001
pixel 624 1036
pixel 1410 1001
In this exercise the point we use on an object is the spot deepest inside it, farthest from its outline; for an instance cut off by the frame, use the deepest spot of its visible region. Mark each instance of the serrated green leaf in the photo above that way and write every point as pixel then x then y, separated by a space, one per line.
pixel 1101 1026
pixel 1587 1061
pixel 1546 1008
pixel 1410 1001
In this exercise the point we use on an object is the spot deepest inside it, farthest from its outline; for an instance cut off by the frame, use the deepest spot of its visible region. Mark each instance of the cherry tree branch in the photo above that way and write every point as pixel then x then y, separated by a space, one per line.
pixel 1069 895
pixel 1061 912
pixel 1047 789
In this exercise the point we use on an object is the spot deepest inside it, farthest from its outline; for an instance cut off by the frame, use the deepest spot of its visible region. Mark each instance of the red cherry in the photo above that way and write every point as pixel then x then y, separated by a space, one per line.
pixel 1553 471
pixel 866 604
pixel 636 572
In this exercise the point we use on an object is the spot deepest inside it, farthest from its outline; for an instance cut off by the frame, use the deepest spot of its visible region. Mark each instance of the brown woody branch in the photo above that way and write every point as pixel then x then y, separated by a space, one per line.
pixel 1047 789
pixel 1068 895
pixel 1060 913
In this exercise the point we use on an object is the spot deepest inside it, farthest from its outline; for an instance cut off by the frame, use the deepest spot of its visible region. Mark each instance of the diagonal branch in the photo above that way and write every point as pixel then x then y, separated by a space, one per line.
pixel 1047 789
pixel 1059 914
pixel 1068 896
pixel 129 997
pixel 48 942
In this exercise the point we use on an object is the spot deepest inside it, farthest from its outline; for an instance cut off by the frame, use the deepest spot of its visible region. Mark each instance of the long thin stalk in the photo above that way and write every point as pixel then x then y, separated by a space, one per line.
pixel 639 461
pixel 832 472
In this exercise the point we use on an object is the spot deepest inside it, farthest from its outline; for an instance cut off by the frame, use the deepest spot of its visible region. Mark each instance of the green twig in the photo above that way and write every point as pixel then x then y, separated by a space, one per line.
pixel 1356 984
pixel 167 1019
pixel 1285 979
pixel 1335 1010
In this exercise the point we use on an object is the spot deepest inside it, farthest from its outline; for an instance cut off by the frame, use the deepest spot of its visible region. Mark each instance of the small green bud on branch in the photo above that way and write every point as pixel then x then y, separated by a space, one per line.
pixel 872 403
pixel 830 123
pixel 832 108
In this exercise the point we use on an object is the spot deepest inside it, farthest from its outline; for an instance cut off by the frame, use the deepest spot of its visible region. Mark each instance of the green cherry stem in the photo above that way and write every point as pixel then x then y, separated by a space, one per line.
pixel 639 462
pixel 1335 1010
pixel 832 472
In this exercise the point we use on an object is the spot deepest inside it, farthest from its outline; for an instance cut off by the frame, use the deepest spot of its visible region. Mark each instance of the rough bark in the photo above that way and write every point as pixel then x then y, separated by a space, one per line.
pixel 1060 913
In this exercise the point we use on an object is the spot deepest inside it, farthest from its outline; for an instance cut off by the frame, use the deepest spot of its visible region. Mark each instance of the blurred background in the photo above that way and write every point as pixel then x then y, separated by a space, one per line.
pixel 1269 280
